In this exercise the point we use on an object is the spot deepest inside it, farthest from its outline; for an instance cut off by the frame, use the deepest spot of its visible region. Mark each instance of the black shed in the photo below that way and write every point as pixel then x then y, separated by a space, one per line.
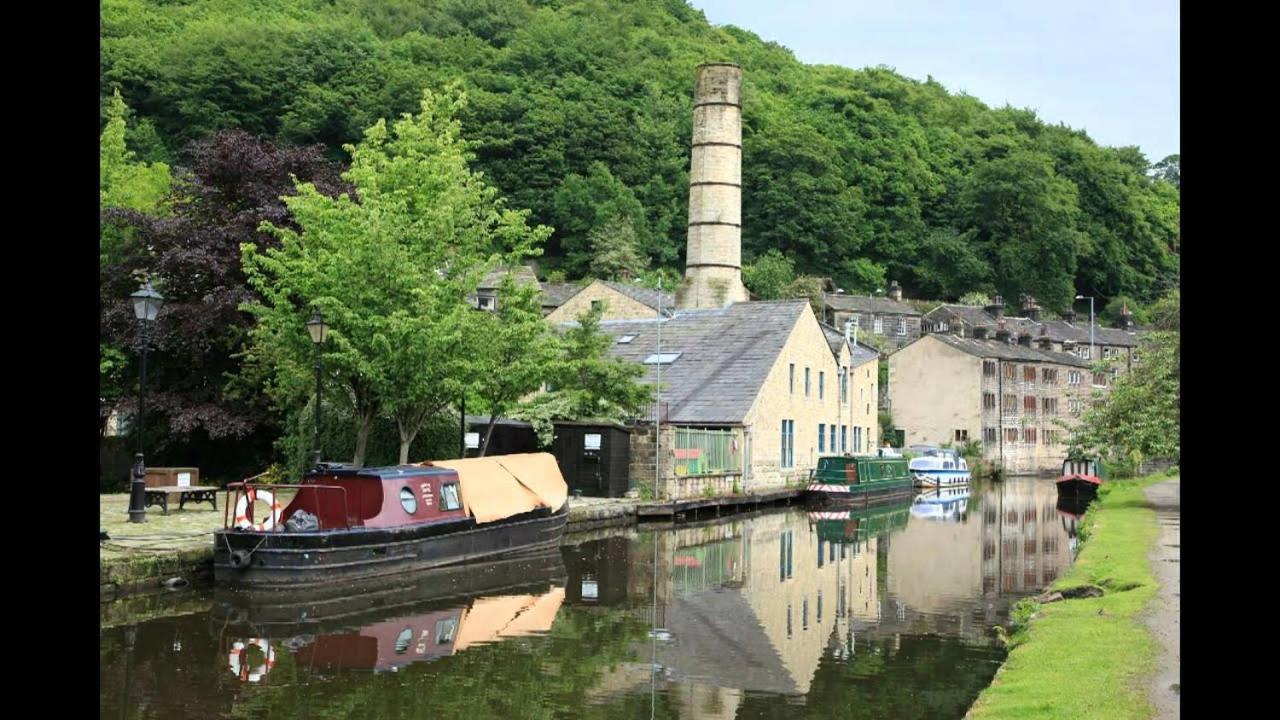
pixel 510 437
pixel 594 457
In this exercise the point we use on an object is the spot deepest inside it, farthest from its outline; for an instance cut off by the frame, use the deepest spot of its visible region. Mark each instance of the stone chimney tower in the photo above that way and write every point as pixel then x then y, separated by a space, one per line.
pixel 713 258
pixel 894 291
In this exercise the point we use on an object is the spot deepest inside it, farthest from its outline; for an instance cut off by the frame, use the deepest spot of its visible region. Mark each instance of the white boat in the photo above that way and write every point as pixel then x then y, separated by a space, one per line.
pixel 938 467
pixel 944 504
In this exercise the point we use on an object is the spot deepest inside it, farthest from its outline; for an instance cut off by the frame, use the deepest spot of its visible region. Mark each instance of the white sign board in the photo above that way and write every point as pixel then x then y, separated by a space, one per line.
pixel 473 440
pixel 590 589
pixel 184 479
pixel 591 441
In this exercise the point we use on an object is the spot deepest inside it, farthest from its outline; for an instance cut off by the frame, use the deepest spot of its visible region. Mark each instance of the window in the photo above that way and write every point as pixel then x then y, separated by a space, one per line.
pixel 1134 357
pixel 597 305
pixel 791 378
pixel 408 500
pixel 1073 377
pixel 988 401
pixel 822 384
pixel 877 325
pixel 1011 435
pixel 449 497
pixel 902 326
pixel 785 556
pixel 625 339
pixel 485 303
pixel 1029 435
pixel 857 439
pixel 1010 371
pixel 822 438
pixel 844 385
pixel 1049 376
pixel 1029 404
pixel 1049 406
pixel 833 437
pixel 1106 353
pixel 989 435
pixel 788 459
pixel 844 446
pixel 661 358
pixel 1028 374
pixel 1050 437
pixel 445 630
pixel 1010 403
pixel 706 451
pixel 989 368
pixel 1099 379
pixel 1074 405
pixel 806 382
pixel 962 436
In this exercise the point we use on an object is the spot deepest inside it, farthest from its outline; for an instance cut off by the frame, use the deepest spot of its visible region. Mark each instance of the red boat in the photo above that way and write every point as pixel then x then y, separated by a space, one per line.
pixel 355 523
pixel 1080 479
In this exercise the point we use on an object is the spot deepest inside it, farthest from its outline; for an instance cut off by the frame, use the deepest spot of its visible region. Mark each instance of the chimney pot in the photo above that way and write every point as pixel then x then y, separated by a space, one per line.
pixel 996 308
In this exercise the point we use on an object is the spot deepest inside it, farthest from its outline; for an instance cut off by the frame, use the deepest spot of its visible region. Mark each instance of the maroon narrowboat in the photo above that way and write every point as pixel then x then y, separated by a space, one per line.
pixel 354 523
pixel 1080 479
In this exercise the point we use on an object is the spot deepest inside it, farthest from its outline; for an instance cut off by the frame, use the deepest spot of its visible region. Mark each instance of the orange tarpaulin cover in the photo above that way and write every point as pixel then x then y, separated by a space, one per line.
pixel 498 487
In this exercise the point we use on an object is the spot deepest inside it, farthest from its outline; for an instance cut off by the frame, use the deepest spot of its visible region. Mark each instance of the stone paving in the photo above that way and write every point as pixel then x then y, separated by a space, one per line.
pixel 1164 614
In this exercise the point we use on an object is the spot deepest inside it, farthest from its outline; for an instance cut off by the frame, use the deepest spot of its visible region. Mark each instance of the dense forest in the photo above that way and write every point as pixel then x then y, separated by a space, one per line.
pixel 580 111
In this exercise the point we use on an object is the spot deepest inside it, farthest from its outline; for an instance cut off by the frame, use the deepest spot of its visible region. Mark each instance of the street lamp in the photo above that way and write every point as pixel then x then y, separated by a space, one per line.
pixel 146 306
pixel 1090 299
pixel 318 331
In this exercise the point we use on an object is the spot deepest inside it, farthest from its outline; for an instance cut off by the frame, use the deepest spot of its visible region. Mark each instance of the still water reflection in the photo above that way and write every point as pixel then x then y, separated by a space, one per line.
pixel 885 612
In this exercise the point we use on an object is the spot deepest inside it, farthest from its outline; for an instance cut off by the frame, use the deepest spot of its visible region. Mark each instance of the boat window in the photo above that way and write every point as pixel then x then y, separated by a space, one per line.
pixel 449 497
pixel 402 642
pixel 445 630
pixel 408 500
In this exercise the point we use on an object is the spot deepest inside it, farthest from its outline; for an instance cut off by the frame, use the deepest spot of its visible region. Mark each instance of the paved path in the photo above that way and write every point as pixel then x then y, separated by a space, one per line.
pixel 1163 617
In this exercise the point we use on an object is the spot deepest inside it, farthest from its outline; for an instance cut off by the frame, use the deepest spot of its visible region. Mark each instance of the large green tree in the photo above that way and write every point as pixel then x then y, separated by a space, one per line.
pixel 390 269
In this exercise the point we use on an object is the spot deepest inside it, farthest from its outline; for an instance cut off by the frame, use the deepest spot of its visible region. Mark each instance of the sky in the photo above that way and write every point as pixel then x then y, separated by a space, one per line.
pixel 1109 67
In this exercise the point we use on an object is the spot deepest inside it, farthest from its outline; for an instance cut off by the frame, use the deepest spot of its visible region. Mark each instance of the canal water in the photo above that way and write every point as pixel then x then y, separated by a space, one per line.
pixel 878 613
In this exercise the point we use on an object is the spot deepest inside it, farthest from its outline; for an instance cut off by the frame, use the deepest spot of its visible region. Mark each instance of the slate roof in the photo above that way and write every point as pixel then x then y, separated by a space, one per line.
pixel 1056 330
pixel 861 353
pixel 866 304
pixel 555 294
pixel 644 294
pixel 523 276
pixel 725 355
pixel 1006 351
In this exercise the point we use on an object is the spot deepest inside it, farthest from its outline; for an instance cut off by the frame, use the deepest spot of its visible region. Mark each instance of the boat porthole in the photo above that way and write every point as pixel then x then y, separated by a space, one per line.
pixel 408 500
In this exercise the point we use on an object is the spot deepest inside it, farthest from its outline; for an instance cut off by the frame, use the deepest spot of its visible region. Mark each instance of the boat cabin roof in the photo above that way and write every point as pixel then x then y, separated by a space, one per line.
pixel 390 472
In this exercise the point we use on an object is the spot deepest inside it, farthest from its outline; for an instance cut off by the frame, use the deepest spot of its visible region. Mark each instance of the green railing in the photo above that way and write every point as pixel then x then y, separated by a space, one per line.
pixel 706 452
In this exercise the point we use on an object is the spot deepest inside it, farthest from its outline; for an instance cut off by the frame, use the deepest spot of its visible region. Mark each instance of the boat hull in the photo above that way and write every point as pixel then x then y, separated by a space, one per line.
pixel 941 478
pixel 857 493
pixel 1078 486
pixel 291 560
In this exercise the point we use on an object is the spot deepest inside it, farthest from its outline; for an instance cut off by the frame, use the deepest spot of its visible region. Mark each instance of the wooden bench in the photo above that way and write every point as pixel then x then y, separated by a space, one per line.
pixel 194 493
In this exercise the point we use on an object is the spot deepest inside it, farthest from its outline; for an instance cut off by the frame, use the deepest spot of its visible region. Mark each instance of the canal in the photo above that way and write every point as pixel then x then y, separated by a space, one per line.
pixel 877 613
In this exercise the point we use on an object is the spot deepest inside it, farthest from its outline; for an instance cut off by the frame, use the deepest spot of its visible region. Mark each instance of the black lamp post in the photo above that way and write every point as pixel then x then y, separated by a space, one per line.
pixel 146 306
pixel 319 332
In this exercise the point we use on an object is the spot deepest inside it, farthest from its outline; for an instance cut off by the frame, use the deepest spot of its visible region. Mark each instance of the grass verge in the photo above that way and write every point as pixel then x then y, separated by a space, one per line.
pixel 1087 657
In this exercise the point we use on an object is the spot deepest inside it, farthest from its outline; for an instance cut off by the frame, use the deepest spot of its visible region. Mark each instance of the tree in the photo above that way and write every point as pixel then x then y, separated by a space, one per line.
pixel 391 273
pixel 511 351
pixel 615 250
pixel 770 275
pixel 231 183
pixel 1169 170
pixel 586 383
pixel 590 207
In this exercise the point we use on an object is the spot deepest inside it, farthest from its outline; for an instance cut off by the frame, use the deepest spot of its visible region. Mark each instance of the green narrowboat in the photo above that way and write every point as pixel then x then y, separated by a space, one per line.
pixel 857 478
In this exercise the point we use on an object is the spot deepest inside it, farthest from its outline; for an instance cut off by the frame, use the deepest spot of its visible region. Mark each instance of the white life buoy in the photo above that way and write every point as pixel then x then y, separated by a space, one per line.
pixel 242 670
pixel 248 498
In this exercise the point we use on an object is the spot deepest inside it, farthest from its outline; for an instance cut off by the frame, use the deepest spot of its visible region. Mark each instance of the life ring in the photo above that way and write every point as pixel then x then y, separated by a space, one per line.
pixel 248 498
pixel 242 671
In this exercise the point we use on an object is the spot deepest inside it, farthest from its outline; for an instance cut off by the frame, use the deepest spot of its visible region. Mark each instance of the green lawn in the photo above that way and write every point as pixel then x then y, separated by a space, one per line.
pixel 1087 658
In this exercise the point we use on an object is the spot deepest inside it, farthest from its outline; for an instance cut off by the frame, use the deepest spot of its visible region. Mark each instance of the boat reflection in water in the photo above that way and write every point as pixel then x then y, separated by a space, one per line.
pixel 384 627
pixel 948 504
pixel 1071 510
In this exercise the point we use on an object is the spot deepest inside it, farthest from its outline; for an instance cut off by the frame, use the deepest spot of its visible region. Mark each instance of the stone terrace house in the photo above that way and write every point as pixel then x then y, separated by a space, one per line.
pixel 888 316
pixel 554 295
pixel 486 295
pixel 1067 334
pixel 752 394
pixel 1010 397
pixel 621 301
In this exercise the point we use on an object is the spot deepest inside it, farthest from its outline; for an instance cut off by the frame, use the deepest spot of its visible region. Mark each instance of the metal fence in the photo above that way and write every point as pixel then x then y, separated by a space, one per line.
pixel 706 452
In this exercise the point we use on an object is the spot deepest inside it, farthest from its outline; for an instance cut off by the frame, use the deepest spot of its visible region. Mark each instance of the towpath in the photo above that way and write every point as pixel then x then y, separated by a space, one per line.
pixel 1163 615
